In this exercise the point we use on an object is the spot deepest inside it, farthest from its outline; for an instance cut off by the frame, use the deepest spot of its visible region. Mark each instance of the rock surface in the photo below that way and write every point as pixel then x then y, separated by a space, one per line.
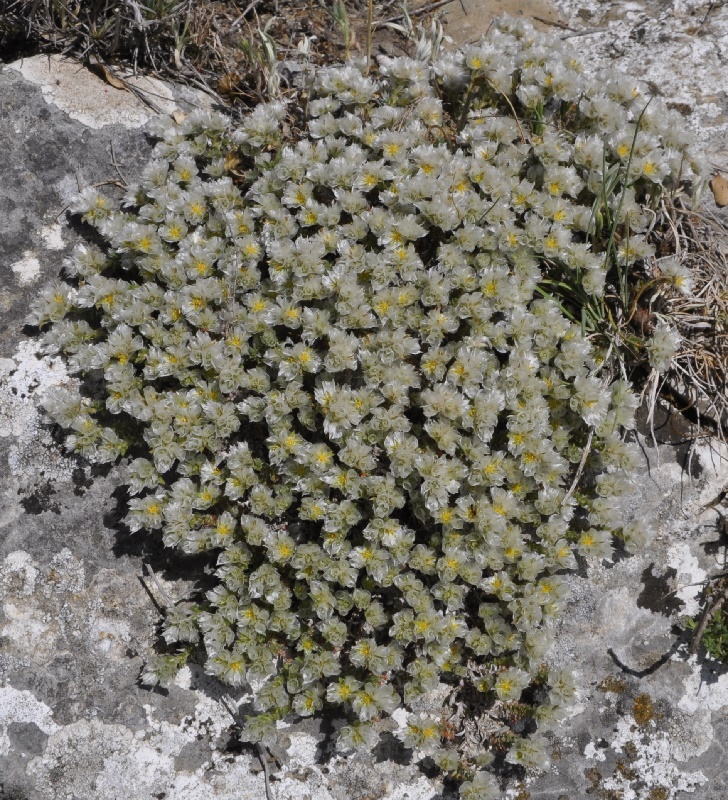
pixel 77 620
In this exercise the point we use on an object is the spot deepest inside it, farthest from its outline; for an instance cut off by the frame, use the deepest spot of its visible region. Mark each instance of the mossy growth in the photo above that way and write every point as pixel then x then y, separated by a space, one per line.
pixel 715 634
pixel 613 685
pixel 331 355
pixel 643 710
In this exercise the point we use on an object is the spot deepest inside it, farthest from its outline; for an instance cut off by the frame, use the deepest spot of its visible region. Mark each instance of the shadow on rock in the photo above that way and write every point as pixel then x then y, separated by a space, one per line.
pixel 658 595
pixel 169 562
pixel 390 748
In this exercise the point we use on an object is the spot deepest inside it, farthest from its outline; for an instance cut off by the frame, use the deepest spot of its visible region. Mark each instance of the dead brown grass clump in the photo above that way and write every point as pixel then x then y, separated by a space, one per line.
pixel 224 47
pixel 697 384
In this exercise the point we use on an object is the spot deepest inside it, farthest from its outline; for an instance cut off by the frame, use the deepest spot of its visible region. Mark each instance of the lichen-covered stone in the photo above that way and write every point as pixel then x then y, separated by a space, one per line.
pixel 76 622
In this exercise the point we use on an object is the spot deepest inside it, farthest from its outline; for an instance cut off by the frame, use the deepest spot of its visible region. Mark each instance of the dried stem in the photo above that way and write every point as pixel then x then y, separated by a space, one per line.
pixel 707 614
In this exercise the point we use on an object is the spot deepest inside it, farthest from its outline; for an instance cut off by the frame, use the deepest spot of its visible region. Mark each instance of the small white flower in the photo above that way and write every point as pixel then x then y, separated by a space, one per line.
pixel 663 346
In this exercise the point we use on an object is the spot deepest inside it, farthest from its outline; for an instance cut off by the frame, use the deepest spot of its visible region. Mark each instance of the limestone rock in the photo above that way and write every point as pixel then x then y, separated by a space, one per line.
pixel 76 620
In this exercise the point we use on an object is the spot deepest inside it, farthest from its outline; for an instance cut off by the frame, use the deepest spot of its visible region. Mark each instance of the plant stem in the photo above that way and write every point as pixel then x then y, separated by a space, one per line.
pixel 370 25
pixel 611 249
pixel 510 104
pixel 707 614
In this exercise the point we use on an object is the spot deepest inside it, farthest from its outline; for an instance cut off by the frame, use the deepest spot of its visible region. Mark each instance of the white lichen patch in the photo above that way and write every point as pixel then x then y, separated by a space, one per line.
pixel 422 789
pixel 650 757
pixel 210 716
pixel 690 577
pixel 88 99
pixel 47 607
pixel 314 787
pixel 22 706
pixel 33 375
pixel 110 635
pixel 701 694
pixel 100 761
pixel 24 378
pixel 18 574
pixel 594 753
pixel 27 268
pixel 302 750
pixel 713 458
pixel 67 575
pixel 227 780
pixel 27 628
pixel 145 763
pixel 52 236
pixel 690 734
pixel 91 759
pixel 678 46
pixel 42 605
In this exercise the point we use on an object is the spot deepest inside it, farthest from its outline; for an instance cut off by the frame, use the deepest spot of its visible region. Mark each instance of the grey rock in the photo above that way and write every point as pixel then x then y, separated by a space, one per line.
pixel 27 737
pixel 77 621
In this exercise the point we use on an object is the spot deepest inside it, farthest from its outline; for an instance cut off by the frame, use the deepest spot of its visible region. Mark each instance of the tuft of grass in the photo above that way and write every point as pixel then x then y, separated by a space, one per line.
pixel 710 627
pixel 641 296
pixel 341 16
pixel 715 637
pixel 230 49
pixel 697 385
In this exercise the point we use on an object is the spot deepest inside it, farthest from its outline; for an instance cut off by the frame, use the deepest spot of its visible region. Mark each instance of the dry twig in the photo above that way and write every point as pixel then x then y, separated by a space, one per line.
pixel 709 609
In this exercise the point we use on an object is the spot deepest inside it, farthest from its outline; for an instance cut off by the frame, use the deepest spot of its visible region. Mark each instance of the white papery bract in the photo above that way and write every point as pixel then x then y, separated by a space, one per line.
pixel 331 358
pixel 662 346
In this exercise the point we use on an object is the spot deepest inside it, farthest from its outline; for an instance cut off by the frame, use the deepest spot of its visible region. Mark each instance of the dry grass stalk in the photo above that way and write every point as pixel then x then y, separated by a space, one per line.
pixel 698 383
pixel 218 46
